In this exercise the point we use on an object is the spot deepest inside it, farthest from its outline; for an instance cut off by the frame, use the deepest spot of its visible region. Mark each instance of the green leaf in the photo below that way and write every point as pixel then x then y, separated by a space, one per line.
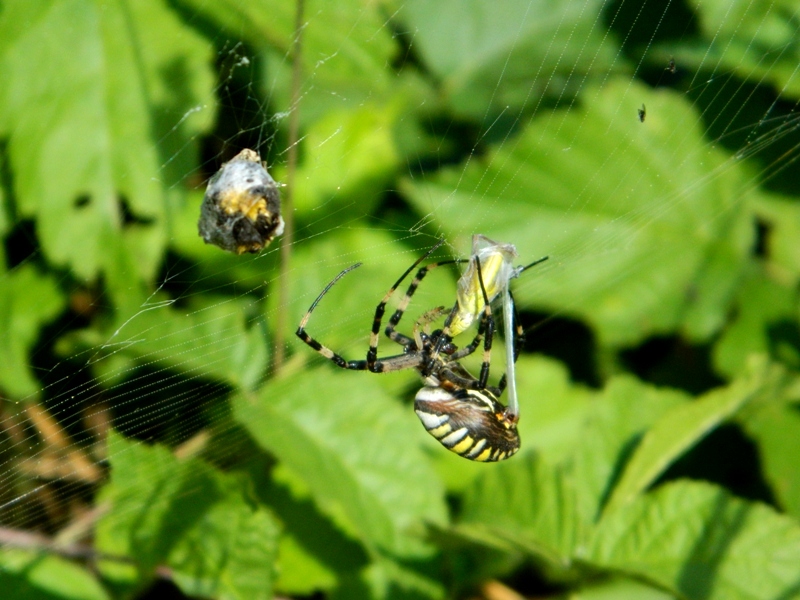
pixel 30 576
pixel 356 450
pixel 678 430
pixel 313 553
pixel 28 300
pixel 349 159
pixel 92 112
pixel 389 580
pixel 613 426
pixel 188 516
pixel 703 543
pixel 619 588
pixel 765 322
pixel 757 41
pixel 775 427
pixel 544 502
pixel 637 247
pixel 529 504
pixel 781 215
pixel 496 60
pixel 346 53
pixel 211 338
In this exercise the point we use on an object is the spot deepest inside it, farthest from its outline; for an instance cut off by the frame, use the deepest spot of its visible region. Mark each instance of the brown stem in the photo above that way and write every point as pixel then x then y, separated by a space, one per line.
pixel 281 323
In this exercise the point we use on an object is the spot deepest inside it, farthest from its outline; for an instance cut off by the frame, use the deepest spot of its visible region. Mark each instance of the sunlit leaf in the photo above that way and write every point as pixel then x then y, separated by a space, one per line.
pixel 702 542
pixel 313 554
pixel 28 300
pixel 185 515
pixel 764 323
pixel 619 588
pixel 775 427
pixel 88 135
pixel 756 40
pixel 529 504
pixel 781 216
pixel 211 340
pixel 680 428
pixel 614 424
pixel 357 451
pixel 32 576
pixel 636 248
pixel 492 61
pixel 349 160
pixel 339 71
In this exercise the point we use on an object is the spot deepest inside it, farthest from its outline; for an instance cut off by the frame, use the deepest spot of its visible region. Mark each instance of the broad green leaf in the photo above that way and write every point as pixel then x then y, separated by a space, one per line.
pixel 679 429
pixel 765 322
pixel 703 543
pixel 544 501
pixel 96 98
pixel 28 300
pixel 357 451
pixel 775 427
pixel 346 52
pixel 619 588
pixel 207 338
pixel 491 60
pixel 615 422
pixel 349 160
pixel 188 516
pixel 531 505
pixel 553 410
pixel 5 208
pixel 313 554
pixel 389 580
pixel 756 40
pixel 30 576
pixel 646 228
pixel 781 215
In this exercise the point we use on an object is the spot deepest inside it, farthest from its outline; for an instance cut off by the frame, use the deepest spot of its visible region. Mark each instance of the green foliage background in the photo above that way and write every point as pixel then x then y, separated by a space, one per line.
pixel 145 435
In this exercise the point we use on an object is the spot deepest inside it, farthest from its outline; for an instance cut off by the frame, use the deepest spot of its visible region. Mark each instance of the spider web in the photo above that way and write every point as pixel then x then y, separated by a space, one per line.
pixel 648 149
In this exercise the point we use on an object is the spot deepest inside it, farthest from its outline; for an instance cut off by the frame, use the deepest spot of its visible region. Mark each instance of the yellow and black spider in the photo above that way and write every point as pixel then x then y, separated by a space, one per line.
pixel 459 410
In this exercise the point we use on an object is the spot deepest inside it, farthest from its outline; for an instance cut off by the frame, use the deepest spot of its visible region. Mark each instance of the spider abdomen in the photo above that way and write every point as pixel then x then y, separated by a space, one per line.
pixel 471 423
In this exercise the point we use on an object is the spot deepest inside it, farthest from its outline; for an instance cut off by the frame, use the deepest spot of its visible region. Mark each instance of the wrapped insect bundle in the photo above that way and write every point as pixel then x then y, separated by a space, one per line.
pixel 241 210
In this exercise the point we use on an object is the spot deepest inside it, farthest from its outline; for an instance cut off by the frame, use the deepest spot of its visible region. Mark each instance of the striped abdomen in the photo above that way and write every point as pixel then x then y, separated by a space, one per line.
pixel 471 423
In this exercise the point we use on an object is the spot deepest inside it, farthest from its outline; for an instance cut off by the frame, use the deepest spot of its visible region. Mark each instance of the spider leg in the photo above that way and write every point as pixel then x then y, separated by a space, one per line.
pixel 407 360
pixel 301 332
pixel 404 302
pixel 423 321
pixel 374 336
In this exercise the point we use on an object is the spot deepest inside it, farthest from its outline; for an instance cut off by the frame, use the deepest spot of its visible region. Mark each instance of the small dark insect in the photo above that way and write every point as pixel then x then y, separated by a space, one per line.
pixel 241 210
pixel 671 66
pixel 642 113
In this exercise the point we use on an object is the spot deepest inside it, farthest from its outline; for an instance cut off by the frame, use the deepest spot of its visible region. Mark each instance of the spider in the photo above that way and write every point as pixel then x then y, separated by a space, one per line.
pixel 460 411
